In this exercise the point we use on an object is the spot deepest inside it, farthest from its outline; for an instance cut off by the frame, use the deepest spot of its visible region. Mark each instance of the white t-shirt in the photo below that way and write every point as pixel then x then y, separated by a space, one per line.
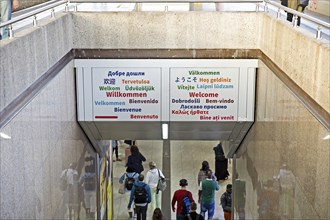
pixel 152 177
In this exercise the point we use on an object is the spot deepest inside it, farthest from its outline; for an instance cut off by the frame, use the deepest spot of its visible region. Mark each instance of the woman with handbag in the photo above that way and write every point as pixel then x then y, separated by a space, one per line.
pixel 152 179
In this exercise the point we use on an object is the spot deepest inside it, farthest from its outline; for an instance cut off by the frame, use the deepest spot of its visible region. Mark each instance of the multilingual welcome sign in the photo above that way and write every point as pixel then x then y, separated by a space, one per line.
pixel 166 90
pixel 203 94
pixel 126 93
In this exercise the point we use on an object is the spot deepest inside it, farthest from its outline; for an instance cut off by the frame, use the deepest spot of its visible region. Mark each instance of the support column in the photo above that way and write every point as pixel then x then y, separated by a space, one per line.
pixel 166 197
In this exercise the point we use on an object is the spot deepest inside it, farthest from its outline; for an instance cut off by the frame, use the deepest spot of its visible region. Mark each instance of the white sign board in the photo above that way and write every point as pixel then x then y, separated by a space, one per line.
pixel 154 90
pixel 204 94
pixel 126 94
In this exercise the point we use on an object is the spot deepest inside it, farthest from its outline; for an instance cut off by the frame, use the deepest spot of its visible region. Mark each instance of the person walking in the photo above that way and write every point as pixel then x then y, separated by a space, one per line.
pixel 88 181
pixel 226 202
pixel 221 163
pixel 203 171
pixel 178 198
pixel 114 144
pixel 141 195
pixel 152 178
pixel 135 159
pixel 298 5
pixel 206 193
pixel 70 176
pixel 193 215
pixel 6 8
pixel 129 178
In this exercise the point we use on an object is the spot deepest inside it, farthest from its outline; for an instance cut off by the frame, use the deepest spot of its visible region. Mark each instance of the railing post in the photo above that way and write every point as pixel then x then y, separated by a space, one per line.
pixel 191 6
pixel 257 7
pixel 34 21
pixel 278 15
pixel 138 7
pixel 76 7
pixel 66 9
pixel 318 32
pixel 295 20
pixel 11 32
pixel 266 7
pixel 166 8
pixel 52 14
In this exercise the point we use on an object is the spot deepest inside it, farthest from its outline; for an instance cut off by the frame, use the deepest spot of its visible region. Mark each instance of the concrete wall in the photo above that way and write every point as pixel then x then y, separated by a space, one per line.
pixel 284 159
pixel 295 51
pixel 303 58
pixel 46 131
pixel 45 139
pixel 185 30
pixel 31 53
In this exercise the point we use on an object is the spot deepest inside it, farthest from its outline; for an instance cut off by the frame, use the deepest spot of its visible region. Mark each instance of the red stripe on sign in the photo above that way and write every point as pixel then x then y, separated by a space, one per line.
pixel 110 116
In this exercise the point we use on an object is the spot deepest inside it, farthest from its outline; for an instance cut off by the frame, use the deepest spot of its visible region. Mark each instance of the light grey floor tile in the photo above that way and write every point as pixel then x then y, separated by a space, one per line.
pixel 186 160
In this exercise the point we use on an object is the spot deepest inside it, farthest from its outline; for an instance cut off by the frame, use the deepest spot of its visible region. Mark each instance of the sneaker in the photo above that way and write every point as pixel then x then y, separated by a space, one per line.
pixel 118 159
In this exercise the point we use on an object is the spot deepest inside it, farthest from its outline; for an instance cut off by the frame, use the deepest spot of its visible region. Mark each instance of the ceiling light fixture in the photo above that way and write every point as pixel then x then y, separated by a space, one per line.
pixel 165 131
pixel 4 136
pixel 326 137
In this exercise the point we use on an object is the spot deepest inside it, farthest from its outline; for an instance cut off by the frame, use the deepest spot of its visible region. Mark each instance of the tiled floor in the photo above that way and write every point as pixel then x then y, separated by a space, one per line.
pixel 186 160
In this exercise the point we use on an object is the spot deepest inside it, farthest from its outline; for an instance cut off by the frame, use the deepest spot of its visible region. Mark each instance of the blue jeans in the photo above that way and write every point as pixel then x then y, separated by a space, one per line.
pixel 5 15
pixel 209 208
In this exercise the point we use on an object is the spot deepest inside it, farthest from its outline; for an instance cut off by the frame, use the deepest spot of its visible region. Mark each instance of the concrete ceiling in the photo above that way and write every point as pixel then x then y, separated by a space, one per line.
pixel 231 131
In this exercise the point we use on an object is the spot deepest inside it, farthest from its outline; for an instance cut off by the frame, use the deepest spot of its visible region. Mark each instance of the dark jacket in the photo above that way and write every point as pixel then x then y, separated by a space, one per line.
pixel 219 154
pixel 226 201
pixel 135 161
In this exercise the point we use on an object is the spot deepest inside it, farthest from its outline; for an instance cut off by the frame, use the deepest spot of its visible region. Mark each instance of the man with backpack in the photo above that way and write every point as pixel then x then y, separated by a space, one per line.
pixel 141 195
pixel 129 179
pixel 183 198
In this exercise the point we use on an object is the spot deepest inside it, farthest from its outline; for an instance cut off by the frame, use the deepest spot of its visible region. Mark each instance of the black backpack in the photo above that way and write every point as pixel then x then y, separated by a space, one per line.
pixel 129 182
pixel 140 195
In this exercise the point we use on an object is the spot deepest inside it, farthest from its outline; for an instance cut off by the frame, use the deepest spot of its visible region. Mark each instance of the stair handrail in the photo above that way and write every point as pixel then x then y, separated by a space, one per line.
pixel 297 14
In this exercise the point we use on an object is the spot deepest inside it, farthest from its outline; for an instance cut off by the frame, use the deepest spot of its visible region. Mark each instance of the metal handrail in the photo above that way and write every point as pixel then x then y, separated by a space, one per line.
pixel 297 14
pixel 33 13
pixel 280 7
pixel 300 14
pixel 166 1
pixel 34 7
pixel 61 2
